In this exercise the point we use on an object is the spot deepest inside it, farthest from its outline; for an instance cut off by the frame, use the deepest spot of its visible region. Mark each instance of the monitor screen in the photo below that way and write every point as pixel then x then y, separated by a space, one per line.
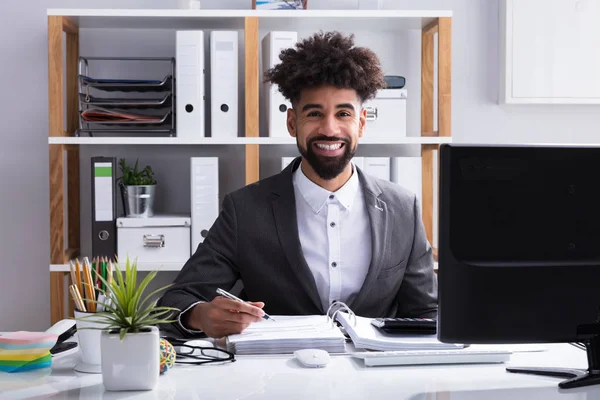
pixel 519 244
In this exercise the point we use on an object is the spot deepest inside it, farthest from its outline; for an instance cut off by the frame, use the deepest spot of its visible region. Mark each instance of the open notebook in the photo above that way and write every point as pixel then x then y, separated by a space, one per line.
pixel 287 334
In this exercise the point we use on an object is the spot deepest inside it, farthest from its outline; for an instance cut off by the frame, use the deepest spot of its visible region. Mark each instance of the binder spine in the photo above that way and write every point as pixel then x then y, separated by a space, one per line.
pixel 104 207
pixel 189 85
pixel 224 83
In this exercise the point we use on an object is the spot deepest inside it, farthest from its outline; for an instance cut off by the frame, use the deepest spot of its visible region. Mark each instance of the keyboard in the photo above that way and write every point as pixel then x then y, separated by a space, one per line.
pixel 433 357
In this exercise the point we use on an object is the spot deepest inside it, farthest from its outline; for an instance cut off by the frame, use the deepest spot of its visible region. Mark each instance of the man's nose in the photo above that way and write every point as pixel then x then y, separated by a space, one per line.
pixel 329 126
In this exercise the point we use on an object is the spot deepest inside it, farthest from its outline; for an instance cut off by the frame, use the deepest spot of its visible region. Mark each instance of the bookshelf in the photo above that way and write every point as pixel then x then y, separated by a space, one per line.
pixel 63 101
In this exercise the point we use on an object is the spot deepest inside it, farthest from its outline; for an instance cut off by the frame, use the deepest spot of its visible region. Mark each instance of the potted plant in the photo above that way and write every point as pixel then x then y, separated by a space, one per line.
pixel 130 342
pixel 137 189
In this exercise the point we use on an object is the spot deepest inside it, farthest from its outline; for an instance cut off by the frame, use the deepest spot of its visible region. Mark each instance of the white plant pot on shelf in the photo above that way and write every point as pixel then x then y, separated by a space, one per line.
pixel 132 363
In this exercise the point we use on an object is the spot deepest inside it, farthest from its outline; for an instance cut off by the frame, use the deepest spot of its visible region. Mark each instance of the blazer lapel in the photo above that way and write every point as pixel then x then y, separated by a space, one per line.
pixel 284 211
pixel 380 236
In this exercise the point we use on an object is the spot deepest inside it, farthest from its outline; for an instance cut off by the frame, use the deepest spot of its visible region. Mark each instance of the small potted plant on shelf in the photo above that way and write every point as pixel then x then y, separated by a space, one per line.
pixel 130 341
pixel 138 187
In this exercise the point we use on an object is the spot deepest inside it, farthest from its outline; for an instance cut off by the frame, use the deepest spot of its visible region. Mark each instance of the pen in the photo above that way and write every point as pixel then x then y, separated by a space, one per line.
pixel 232 297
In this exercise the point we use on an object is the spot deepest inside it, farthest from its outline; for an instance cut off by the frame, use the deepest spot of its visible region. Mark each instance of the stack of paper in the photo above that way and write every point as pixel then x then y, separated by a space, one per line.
pixel 287 334
pixel 366 336
pixel 24 351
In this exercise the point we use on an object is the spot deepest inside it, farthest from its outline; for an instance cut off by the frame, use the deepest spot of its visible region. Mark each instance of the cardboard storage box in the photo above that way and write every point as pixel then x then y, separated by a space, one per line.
pixel 159 239
pixel 386 114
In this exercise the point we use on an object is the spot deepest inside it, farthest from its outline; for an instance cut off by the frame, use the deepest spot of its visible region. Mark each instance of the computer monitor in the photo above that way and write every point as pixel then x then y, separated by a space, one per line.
pixel 519 248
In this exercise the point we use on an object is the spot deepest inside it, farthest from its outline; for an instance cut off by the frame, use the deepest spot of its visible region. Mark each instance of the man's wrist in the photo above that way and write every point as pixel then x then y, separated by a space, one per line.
pixel 186 320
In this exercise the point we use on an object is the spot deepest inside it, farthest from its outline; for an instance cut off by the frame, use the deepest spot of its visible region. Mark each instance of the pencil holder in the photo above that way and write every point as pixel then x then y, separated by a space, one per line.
pixel 89 343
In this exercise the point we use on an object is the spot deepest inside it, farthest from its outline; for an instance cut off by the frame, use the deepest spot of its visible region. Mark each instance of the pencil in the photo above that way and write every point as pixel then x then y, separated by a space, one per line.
pixel 109 273
pixel 89 287
pixel 72 269
pixel 78 276
pixel 77 298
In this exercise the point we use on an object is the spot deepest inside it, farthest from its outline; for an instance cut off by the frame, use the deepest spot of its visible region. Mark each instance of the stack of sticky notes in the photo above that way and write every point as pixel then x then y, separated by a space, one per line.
pixel 24 351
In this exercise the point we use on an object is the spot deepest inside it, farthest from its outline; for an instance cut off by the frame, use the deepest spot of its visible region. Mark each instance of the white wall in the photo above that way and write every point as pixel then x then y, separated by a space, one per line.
pixel 24 226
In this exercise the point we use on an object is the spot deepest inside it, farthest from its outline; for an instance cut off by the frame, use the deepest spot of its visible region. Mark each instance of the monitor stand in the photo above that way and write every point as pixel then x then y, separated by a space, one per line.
pixel 577 377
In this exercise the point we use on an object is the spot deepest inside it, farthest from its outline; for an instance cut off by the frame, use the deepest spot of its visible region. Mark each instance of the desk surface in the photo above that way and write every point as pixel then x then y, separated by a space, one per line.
pixel 281 377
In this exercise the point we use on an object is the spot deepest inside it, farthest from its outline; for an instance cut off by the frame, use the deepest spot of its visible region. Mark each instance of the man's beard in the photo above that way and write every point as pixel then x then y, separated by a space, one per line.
pixel 327 167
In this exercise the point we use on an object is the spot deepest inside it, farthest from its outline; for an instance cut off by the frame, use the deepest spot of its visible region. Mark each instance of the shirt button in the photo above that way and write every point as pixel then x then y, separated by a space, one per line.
pixel 331 197
pixel 332 224
pixel 334 264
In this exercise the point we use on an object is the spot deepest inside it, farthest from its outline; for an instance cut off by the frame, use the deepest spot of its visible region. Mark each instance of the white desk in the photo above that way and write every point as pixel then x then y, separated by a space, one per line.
pixel 281 377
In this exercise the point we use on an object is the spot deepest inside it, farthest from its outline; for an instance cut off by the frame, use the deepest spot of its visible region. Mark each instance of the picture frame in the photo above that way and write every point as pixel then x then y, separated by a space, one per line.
pixel 280 4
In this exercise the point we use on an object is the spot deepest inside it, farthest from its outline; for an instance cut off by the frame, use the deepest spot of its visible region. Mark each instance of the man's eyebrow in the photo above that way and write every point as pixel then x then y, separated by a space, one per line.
pixel 346 105
pixel 310 106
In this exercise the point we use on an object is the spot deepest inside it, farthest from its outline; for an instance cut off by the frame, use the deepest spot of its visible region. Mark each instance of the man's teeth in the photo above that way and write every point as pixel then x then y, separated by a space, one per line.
pixel 329 146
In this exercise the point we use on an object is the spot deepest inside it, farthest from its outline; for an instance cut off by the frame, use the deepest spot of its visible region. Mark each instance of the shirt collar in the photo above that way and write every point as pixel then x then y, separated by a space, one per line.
pixel 317 197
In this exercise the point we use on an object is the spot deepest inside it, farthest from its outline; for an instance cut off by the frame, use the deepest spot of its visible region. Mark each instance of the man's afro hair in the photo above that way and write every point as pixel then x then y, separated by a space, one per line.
pixel 327 59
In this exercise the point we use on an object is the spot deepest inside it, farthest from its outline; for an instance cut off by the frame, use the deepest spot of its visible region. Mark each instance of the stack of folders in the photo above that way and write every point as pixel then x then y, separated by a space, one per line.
pixel 366 336
pixel 287 334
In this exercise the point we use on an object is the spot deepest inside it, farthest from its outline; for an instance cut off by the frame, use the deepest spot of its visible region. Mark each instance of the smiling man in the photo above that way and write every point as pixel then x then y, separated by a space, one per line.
pixel 320 231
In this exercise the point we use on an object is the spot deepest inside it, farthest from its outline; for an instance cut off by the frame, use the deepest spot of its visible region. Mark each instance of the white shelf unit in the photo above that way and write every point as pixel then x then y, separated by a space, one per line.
pixel 62 85
pixel 172 141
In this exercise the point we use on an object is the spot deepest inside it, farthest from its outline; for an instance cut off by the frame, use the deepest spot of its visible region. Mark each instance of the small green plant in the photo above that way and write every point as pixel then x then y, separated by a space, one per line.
pixel 125 310
pixel 133 176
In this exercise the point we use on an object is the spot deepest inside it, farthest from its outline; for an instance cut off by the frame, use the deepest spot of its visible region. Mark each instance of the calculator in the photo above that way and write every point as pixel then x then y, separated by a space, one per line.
pixel 425 326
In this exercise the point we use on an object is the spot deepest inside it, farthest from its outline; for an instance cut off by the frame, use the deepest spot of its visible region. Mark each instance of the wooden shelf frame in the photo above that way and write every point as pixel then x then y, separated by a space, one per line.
pixel 58 25
pixel 442 27
pixel 61 138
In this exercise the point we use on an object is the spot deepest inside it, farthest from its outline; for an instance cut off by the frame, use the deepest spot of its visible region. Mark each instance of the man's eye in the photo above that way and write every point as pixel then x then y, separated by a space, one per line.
pixel 313 114
pixel 345 114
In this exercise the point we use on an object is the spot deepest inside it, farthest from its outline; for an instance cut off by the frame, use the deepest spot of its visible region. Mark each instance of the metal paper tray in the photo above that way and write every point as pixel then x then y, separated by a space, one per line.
pixel 127 85
pixel 165 101
pixel 166 118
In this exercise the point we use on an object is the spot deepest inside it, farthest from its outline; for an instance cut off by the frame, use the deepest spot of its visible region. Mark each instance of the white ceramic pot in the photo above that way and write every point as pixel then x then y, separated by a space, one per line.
pixel 132 363
pixel 89 343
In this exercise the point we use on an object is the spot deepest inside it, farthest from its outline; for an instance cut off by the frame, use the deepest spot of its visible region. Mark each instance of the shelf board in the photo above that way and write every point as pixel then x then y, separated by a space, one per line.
pixel 154 266
pixel 70 140
pixel 141 267
pixel 391 20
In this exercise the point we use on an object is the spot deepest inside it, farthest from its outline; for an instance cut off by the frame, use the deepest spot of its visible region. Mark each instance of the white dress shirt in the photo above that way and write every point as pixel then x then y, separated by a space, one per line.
pixel 335 235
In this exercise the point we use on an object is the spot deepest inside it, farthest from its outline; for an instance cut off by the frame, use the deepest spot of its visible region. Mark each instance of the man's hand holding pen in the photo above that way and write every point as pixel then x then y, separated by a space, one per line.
pixel 224 316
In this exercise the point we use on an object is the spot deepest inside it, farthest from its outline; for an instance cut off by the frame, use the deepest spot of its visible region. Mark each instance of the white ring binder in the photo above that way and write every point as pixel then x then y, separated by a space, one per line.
pixel 340 306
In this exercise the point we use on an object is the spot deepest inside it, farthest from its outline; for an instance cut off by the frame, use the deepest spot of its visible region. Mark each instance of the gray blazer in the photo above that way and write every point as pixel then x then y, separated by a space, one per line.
pixel 255 240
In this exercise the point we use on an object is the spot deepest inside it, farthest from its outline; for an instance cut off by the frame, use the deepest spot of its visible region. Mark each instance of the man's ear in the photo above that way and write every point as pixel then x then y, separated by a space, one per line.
pixel 291 122
pixel 362 121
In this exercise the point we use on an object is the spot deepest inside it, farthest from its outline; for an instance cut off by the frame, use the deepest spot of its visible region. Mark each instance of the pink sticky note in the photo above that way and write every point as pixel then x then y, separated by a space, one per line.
pixel 26 337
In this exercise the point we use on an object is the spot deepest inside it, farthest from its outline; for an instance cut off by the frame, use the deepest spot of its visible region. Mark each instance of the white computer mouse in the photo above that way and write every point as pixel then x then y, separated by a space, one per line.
pixel 312 358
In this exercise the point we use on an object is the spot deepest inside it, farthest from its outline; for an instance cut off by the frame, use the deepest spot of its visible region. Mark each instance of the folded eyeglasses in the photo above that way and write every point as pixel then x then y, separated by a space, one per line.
pixel 194 355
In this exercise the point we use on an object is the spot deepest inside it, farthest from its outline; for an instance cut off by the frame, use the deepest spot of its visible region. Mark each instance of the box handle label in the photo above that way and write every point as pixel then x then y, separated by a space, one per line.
pixel 154 240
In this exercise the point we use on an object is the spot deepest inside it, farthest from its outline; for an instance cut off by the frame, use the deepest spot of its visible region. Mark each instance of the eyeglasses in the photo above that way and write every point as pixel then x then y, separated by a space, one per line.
pixel 195 355
pixel 201 355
